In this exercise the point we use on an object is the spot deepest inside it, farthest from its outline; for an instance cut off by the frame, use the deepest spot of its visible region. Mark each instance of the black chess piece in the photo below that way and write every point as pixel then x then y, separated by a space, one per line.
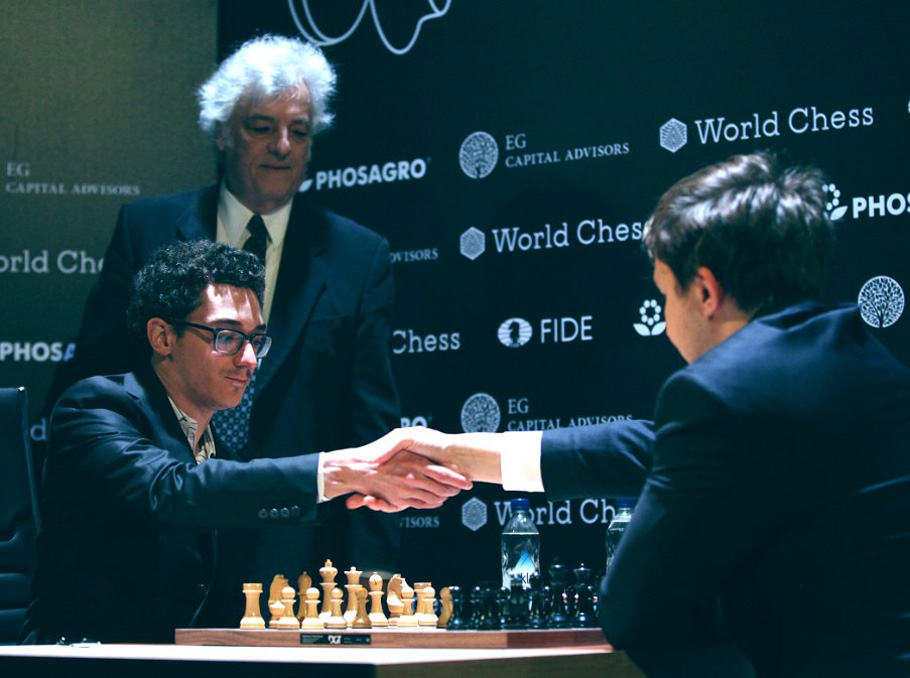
pixel 484 615
pixel 515 614
pixel 459 620
pixel 558 617
pixel 537 614
pixel 584 598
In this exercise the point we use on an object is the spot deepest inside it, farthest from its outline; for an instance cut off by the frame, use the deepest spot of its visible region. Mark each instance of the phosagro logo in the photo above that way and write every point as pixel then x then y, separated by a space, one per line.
pixel 480 412
pixel 515 332
pixel 365 175
pixel 881 301
pixel 478 155
pixel 651 325
pixel 870 206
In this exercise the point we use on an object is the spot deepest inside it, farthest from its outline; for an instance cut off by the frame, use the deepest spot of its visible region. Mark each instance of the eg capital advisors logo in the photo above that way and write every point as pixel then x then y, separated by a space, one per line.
pixel 479 413
pixel 478 155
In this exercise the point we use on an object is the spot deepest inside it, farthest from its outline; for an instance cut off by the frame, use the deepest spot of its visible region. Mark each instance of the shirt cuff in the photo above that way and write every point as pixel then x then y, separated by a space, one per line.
pixel 519 461
pixel 320 480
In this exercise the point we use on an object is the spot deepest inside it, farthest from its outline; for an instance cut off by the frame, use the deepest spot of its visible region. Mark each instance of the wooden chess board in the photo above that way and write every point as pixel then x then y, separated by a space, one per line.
pixel 395 638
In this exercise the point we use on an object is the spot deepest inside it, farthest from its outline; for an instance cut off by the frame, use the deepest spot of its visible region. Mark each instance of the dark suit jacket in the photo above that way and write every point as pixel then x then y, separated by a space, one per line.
pixel 327 381
pixel 772 536
pixel 128 549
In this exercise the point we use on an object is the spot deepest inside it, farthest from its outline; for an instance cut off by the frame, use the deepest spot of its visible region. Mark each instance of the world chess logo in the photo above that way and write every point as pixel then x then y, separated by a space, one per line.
pixel 303 15
pixel 478 155
pixel 881 301
pixel 673 135
pixel 651 324
pixel 473 243
pixel 480 412
pixel 515 332
pixel 474 514
pixel 835 210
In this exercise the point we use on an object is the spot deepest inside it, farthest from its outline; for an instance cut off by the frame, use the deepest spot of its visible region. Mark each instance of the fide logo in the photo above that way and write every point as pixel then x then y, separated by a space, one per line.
pixel 651 325
pixel 478 155
pixel 515 333
pixel 881 301
pixel 480 412
pixel 673 135
pixel 473 243
pixel 474 514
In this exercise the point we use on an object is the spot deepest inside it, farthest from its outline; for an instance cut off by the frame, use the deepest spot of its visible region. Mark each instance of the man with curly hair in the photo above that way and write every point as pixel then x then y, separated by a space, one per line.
pixel 141 502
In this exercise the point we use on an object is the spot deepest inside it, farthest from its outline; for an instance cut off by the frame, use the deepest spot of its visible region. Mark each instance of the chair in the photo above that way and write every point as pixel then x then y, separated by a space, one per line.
pixel 18 512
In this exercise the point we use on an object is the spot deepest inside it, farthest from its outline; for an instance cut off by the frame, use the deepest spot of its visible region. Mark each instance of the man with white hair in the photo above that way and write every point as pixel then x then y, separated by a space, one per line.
pixel 327 382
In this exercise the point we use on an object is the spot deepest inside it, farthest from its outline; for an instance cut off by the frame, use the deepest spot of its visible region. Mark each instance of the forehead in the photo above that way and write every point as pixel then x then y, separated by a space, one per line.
pixel 228 304
pixel 291 104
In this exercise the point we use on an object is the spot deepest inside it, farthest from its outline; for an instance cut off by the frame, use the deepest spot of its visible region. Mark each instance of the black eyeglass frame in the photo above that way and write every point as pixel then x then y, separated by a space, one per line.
pixel 261 351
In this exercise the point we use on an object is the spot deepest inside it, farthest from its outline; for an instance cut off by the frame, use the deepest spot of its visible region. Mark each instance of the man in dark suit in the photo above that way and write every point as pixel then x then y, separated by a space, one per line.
pixel 327 382
pixel 139 491
pixel 772 533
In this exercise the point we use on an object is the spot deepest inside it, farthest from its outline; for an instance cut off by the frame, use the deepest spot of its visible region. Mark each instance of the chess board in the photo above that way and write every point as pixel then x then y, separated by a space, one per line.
pixel 395 638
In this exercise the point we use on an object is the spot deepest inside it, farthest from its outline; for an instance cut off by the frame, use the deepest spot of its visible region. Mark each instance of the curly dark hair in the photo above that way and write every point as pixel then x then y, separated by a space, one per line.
pixel 762 231
pixel 170 284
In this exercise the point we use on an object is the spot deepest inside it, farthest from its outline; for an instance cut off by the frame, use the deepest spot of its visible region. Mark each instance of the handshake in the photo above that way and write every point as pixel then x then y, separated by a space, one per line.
pixel 416 467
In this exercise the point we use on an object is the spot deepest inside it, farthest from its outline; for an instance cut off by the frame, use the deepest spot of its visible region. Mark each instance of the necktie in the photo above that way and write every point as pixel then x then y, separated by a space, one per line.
pixel 259 237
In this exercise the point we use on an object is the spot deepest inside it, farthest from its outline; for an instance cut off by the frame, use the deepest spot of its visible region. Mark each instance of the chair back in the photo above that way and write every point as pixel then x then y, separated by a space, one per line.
pixel 18 512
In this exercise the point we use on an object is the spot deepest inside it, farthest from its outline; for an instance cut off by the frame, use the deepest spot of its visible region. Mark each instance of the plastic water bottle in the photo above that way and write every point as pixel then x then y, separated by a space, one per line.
pixel 520 546
pixel 624 506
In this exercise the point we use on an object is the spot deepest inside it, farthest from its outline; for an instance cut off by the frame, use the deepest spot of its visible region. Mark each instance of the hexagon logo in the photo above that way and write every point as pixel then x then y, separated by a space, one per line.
pixel 478 155
pixel 480 412
pixel 673 135
pixel 474 514
pixel 515 332
pixel 473 243
pixel 881 301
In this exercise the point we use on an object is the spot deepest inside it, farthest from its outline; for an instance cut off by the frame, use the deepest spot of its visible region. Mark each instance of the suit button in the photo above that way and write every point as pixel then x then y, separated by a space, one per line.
pixel 263 514
pixel 295 511
pixel 273 514
pixel 285 513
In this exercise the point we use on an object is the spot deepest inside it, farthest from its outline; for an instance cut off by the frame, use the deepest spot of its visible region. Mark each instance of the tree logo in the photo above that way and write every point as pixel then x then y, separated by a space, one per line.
pixel 478 155
pixel 480 412
pixel 881 301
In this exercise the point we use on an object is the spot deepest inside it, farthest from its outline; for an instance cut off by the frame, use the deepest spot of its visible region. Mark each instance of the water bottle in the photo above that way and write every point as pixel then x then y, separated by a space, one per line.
pixel 520 546
pixel 624 506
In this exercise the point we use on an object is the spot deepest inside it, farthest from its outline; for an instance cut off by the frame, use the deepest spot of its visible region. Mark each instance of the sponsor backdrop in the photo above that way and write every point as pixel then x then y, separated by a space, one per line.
pixel 511 152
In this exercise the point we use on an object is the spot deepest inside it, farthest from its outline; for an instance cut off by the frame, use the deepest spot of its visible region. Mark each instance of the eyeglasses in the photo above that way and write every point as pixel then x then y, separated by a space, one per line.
pixel 229 342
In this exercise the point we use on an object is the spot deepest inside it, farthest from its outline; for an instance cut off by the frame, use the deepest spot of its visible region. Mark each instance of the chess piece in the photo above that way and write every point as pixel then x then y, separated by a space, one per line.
pixel 445 596
pixel 584 598
pixel 458 620
pixel 426 603
pixel 336 619
pixel 361 618
pixel 393 599
pixel 252 619
pixel 537 614
pixel 516 607
pixel 276 607
pixel 351 587
pixel 328 586
pixel 288 620
pixel 377 617
pixel 407 619
pixel 304 582
pixel 311 618
pixel 559 606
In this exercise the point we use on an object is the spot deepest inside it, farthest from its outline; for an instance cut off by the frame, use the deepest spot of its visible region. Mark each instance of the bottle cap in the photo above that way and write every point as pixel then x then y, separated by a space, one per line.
pixel 625 502
pixel 521 503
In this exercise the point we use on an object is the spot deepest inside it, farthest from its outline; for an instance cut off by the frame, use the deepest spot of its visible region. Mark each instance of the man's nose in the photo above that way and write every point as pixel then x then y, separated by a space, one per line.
pixel 281 144
pixel 246 356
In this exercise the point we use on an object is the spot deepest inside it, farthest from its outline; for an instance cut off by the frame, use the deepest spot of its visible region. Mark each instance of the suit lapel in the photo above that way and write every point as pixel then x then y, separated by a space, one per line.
pixel 147 388
pixel 200 220
pixel 301 281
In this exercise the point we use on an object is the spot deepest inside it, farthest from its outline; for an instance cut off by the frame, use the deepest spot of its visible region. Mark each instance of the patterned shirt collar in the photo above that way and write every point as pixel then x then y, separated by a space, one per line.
pixel 190 429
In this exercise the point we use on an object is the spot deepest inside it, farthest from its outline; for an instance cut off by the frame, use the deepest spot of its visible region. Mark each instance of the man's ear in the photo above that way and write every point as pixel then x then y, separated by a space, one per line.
pixel 711 294
pixel 160 335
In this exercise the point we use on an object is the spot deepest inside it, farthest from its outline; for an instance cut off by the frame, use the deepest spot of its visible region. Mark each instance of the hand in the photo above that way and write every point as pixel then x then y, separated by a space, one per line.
pixel 386 477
